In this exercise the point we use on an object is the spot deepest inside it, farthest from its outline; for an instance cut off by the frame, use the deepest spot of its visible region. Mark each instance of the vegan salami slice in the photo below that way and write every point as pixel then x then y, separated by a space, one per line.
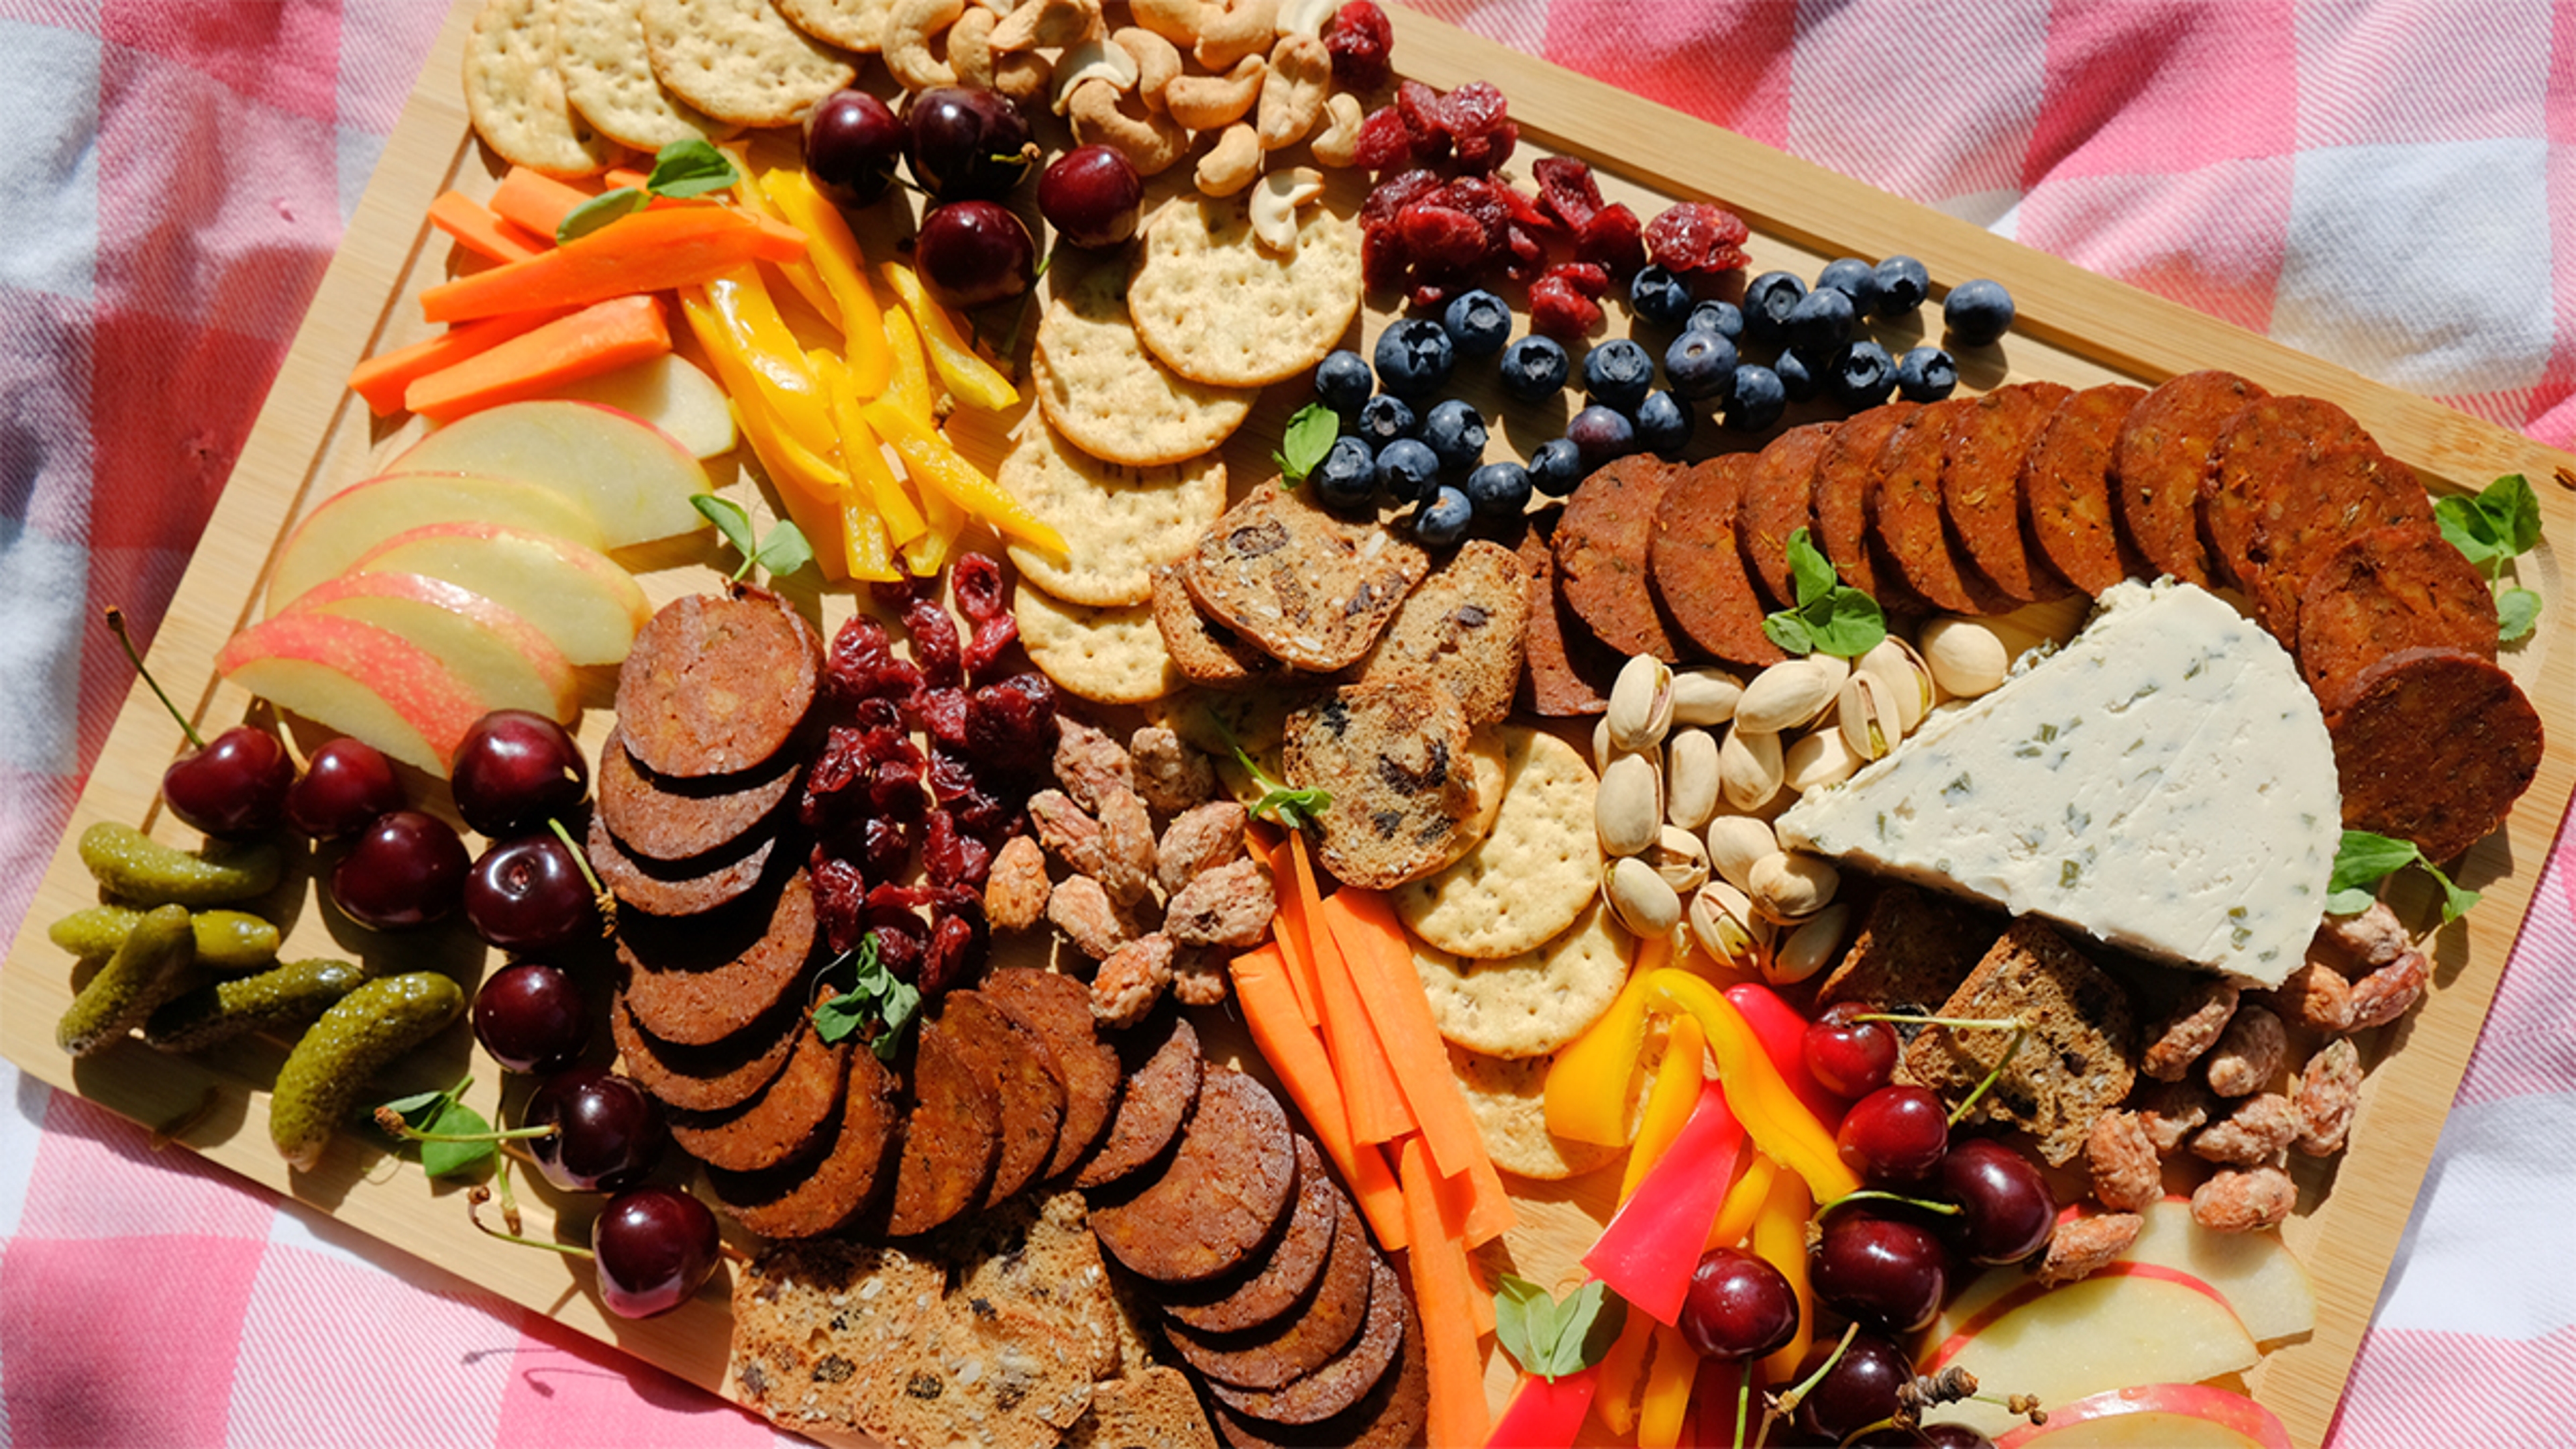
pixel 694 999
pixel 790 1116
pixel 1058 1009
pixel 952 1136
pixel 1389 1415
pixel 679 819
pixel 1778 500
pixel 678 888
pixel 2432 746
pixel 1698 567
pixel 805 1203
pixel 1280 1279
pixel 2390 589
pixel 2164 450
pixel 1221 1199
pixel 1013 1062
pixel 716 684
pixel 1981 488
pixel 708 1078
pixel 2259 465
pixel 1602 543
pixel 2066 487
pixel 1566 670
pixel 1342 1380
pixel 1163 1075
pixel 1845 471
pixel 1905 515
pixel 1301 1342
pixel 2344 491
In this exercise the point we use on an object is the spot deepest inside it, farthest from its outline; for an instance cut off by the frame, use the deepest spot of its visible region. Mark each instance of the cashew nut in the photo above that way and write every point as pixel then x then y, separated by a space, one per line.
pixel 1338 144
pixel 1275 202
pixel 1234 29
pixel 1306 17
pixel 1158 62
pixel 970 48
pixel 1049 23
pixel 907 52
pixel 1104 60
pixel 1211 102
pixel 1023 76
pixel 1234 162
pixel 1292 94
pixel 1177 21
pixel 1151 143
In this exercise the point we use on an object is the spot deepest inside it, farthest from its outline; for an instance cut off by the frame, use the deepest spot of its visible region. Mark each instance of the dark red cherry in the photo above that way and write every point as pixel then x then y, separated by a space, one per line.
pixel 1737 1306
pixel 2006 1210
pixel 656 1247
pixel 973 253
pixel 1092 196
pixel 608 1131
pixel 1894 1135
pixel 528 894
pixel 1849 1057
pixel 515 770
pixel 235 786
pixel 967 143
pixel 531 1018
pixel 852 142
pixel 344 787
pixel 1859 1391
pixel 1886 1272
pixel 404 870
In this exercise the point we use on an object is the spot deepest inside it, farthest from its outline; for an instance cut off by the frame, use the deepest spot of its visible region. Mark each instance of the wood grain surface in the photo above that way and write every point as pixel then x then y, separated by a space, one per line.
pixel 313 437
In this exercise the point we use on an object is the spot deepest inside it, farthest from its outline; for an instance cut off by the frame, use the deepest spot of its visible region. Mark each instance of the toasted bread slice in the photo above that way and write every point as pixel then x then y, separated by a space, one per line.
pixel 2079 1060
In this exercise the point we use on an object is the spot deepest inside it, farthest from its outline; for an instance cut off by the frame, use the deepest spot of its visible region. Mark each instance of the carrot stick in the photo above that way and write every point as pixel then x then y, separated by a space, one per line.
pixel 1442 1286
pixel 1372 940
pixel 1368 1079
pixel 381 379
pixel 479 229
pixel 594 340
pixel 539 203
pixel 650 251
pixel 1293 1050
pixel 1490 1213
pixel 1288 928
pixel 625 178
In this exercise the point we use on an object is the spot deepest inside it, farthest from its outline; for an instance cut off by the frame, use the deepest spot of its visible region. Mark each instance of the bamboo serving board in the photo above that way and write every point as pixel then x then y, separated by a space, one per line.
pixel 313 437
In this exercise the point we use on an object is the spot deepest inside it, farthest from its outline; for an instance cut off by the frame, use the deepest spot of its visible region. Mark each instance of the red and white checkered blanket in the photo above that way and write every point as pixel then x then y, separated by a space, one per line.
pixel 2388 185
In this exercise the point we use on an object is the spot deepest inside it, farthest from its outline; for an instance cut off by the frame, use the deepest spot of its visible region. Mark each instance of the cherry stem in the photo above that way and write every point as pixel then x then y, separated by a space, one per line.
pixel 509 1199
pixel 2020 1033
pixel 1788 1402
pixel 1976 1023
pixel 478 1195
pixel 116 626
pixel 599 895
pixel 1743 1404
pixel 1874 1194
pixel 391 1121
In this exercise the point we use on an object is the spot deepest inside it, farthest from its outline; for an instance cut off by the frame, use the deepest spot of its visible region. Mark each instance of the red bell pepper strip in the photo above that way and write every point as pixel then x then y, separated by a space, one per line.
pixel 1545 1413
pixel 1647 1253
pixel 1783 1033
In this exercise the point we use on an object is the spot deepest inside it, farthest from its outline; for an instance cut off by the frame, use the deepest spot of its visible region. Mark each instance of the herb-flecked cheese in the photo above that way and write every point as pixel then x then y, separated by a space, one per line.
pixel 2164 782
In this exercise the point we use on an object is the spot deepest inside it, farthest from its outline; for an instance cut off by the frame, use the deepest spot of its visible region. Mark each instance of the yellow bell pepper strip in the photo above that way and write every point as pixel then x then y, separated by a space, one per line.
pixel 1623 1375
pixel 1780 1239
pixel 863 536
pixel 775 359
pixel 1588 1088
pixel 810 487
pixel 1781 1125
pixel 1546 1413
pixel 799 271
pixel 1782 1030
pixel 1647 1252
pixel 930 460
pixel 1743 1202
pixel 838 261
pixel 976 382
pixel 1668 1106
pixel 907 371
pixel 864 456
pixel 1665 1411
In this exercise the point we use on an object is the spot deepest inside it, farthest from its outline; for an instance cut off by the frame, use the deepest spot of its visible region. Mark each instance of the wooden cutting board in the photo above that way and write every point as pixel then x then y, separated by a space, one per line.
pixel 313 437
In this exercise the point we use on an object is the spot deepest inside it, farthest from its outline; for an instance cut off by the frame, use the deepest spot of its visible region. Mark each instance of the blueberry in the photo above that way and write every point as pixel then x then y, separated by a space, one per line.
pixel 1617 373
pixel 1343 381
pixel 1663 425
pixel 1443 521
pixel 1659 296
pixel 1456 433
pixel 1768 301
pixel 1414 356
pixel 1346 480
pixel 1821 323
pixel 1977 312
pixel 1902 286
pixel 1698 364
pixel 1601 434
pixel 1798 381
pixel 1499 490
pixel 1723 318
pixel 1534 368
pixel 1853 278
pixel 1407 469
pixel 1478 322
pixel 1385 418
pixel 1756 400
pixel 1556 468
pixel 1926 374
pixel 1861 375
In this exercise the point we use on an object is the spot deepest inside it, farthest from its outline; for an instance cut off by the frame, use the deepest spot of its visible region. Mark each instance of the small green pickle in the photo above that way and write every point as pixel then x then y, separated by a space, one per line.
pixel 146 969
pixel 337 1055
pixel 282 996
pixel 141 871
pixel 228 942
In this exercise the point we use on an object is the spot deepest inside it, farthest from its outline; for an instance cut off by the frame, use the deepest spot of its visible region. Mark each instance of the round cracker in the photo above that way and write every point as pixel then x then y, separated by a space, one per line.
pixel 850 24
pixel 1110 656
pixel 740 61
pixel 1118 522
pixel 599 53
pixel 1113 399
pixel 1532 874
pixel 1507 1097
pixel 1533 1003
pixel 516 99
pixel 1219 308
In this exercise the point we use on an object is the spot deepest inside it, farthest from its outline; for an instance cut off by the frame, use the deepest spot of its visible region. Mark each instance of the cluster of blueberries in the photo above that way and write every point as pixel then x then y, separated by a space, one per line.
pixel 1399 445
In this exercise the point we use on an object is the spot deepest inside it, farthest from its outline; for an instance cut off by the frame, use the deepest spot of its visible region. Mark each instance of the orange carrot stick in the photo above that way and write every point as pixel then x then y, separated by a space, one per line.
pixel 381 379
pixel 1289 929
pixel 480 230
pixel 1294 1051
pixel 539 203
pixel 648 252
pixel 1442 1286
pixel 1372 940
pixel 594 340
pixel 1369 1083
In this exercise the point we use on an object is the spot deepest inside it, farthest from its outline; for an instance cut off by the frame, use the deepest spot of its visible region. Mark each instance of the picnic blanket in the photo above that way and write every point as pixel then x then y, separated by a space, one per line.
pixel 2391 186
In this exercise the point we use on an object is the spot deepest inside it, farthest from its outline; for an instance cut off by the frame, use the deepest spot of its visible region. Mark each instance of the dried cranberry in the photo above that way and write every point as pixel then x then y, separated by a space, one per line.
pixel 879 714
pixel 1525 255
pixel 902 936
pixel 1558 309
pixel 1693 236
pixel 1383 259
pixel 1360 40
pixel 1010 726
pixel 885 848
pixel 943 714
pixel 1476 118
pixel 1489 150
pixel 1483 198
pixel 1427 295
pixel 1384 141
pixel 976 580
pixel 840 899
pixel 934 641
pixel 1396 193
pixel 1566 190
pixel 1426 120
pixel 1584 277
pixel 948 853
pixel 863 665
pixel 1442 237
pixel 1612 240
pixel 960 938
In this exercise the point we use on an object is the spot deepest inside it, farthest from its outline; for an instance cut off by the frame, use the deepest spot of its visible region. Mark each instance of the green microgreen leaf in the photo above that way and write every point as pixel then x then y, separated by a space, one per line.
pixel 2468 528
pixel 875 998
pixel 1524 1319
pixel 1813 572
pixel 1302 448
pixel 2498 525
pixel 729 519
pixel 599 211
pixel 416 1108
pixel 2514 511
pixel 2517 611
pixel 690 168
pixel 452 1159
pixel 1789 631
pixel 2365 859
pixel 1296 809
pixel 785 550
pixel 1551 1338
pixel 1831 617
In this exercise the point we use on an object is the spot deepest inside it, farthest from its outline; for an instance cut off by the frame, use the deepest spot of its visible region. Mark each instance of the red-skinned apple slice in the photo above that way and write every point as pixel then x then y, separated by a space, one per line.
pixel 365 514
pixel 577 596
pixel 636 478
pixel 359 680
pixel 2130 1323
pixel 510 661
pixel 2258 1274
pixel 670 393
pixel 2155 1416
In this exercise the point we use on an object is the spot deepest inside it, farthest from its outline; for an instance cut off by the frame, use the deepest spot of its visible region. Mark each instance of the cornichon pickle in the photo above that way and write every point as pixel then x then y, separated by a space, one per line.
pixel 142 871
pixel 286 995
pixel 140 976
pixel 227 941
pixel 354 1040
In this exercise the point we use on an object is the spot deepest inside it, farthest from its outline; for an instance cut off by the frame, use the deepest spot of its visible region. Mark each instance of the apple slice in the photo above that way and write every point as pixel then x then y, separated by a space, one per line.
pixel 360 680
pixel 2131 1323
pixel 576 596
pixel 636 478
pixel 669 392
pixel 2256 1272
pixel 509 660
pixel 2155 1416
pixel 365 514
